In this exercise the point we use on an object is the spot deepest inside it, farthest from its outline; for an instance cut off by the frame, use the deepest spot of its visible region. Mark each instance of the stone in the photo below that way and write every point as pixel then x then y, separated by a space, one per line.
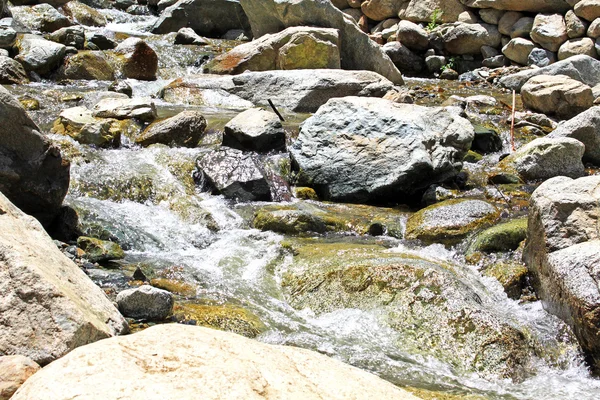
pixel 587 9
pixel 234 174
pixel 184 129
pixel 556 94
pixel 14 371
pixel 513 276
pixel 385 150
pixel 379 10
pixel 73 36
pixel 97 250
pixel 8 36
pixel 293 48
pixel 467 17
pixel 137 59
pixel 39 55
pixel 255 129
pixel 491 15
pixel 489 51
pixel 579 46
pixel 518 50
pixel 12 72
pixel 460 38
pixel 495 62
pixel 33 174
pixel 40 17
pixel 507 21
pixel 549 31
pixel 49 306
pixel 412 36
pixel 561 253
pixel 538 6
pixel 435 63
pixel 522 28
pixel 120 108
pixel 211 18
pixel 450 221
pixel 486 140
pixel 122 87
pixel 145 302
pixel 582 68
pixel 84 14
pixel 420 11
pixel 584 127
pixel 358 51
pixel 86 65
pixel 541 57
pixel 545 158
pixel 506 236
pixel 576 27
pixel 295 90
pixel 407 62
pixel 593 30
pixel 79 123
pixel 100 41
pixel 188 36
pixel 187 353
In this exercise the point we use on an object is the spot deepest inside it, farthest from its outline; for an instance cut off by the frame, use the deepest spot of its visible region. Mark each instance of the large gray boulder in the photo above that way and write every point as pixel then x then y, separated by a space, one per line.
pixel 48 305
pixel 296 90
pixel 33 174
pixel 562 253
pixel 358 149
pixel 582 68
pixel 358 52
pixel 584 127
pixel 39 55
pixel 462 38
pixel 547 6
pixel 178 361
pixel 211 18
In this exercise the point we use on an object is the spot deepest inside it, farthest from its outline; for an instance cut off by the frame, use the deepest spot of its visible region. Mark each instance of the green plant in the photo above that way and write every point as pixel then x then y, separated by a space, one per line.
pixel 434 21
pixel 451 64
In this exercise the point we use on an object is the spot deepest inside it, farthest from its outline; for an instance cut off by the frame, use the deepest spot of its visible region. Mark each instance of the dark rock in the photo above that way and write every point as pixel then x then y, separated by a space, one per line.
pixel 12 72
pixel 70 36
pixel 184 129
pixel 101 41
pixel 486 140
pixel 138 60
pixel 145 302
pixel 121 87
pixel 407 62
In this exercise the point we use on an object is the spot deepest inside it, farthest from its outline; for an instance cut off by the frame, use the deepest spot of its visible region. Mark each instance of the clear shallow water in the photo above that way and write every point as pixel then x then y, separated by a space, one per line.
pixel 243 266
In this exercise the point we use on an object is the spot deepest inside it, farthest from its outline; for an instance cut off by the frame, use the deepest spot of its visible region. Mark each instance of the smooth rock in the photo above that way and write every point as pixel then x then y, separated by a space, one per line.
pixel 188 36
pixel 14 371
pixel 255 129
pixel 574 47
pixel 518 50
pixel 549 31
pixel 587 9
pixel 119 108
pixel 420 11
pixel 556 94
pixel 584 127
pixel 506 236
pixel 576 27
pixel 412 36
pixel 184 129
pixel 593 30
pixel 407 61
pixel 378 10
pixel 460 38
pixel 145 302
pixel 39 55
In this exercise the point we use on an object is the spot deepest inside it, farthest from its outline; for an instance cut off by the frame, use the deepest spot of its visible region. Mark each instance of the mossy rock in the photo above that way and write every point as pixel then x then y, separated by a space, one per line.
pixel 426 394
pixel 292 222
pixel 97 250
pixel 472 157
pixel 29 103
pixel 450 221
pixel 305 193
pixel 174 286
pixel 224 317
pixel 511 275
pixel 503 237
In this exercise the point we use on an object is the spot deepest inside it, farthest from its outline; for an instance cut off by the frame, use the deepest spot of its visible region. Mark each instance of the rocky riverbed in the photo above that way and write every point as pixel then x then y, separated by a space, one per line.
pixel 296 172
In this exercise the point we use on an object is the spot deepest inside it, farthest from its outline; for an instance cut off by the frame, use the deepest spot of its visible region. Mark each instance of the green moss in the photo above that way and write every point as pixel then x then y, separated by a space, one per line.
pixel 502 237
pixel 97 250
pixel 472 157
pixel 305 193
pixel 174 286
pixel 512 276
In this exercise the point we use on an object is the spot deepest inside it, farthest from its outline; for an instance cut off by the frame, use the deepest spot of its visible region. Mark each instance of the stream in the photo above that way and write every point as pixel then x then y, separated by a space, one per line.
pixel 145 199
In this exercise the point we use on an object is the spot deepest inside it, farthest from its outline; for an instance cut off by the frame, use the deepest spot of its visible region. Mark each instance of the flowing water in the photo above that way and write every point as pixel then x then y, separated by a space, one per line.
pixel 145 199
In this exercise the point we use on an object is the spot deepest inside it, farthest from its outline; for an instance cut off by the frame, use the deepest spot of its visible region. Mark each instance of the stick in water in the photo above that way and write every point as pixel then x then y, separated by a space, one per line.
pixel 512 124
pixel 274 109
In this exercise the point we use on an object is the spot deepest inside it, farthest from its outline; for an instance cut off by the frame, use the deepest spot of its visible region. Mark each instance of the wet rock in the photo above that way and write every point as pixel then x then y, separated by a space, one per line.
pixel 138 9
pixel 486 141
pixel 86 65
pixel 562 252
pixel 358 52
pixel 291 222
pixel 39 55
pixel 227 318
pixel 255 129
pixel 545 158
pixel 190 353
pixel 234 174
pixel 73 36
pixel 460 38
pixel 518 50
pixel 549 31
pixel 503 237
pixel 584 127
pixel 297 90
pixel 427 302
pixel 556 94
pixel 49 306
pixel 40 18
pixel 100 41
pixel 511 275
pixel 122 87
pixel 81 125
pixel 119 108
pixel 573 47
pixel 547 6
pixel 145 302
pixel 450 221
pixel 84 14
pixel 136 59
pixel 293 48
pixel 384 151
pixel 188 36
pixel 541 57
pixel 412 36
pixel 184 129
pixel 34 176
pixel 14 371
pixel 210 18
pixel 407 62
pixel 576 27
pixel 587 9
pixel 12 72
pixel 97 250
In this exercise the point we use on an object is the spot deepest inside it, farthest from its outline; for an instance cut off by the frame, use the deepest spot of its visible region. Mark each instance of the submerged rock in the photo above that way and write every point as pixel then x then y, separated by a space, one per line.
pixel 145 302
pixel 176 353
pixel 255 129
pixel 226 317
pixel 97 250
pixel 184 129
pixel 358 149
pixel 503 237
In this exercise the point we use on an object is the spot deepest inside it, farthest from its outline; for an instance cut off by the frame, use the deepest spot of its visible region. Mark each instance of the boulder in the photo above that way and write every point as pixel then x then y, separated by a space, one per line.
pixel 460 38
pixel 99 41
pixel 358 51
pixel 176 353
pixel 556 94
pixel 73 36
pixel 234 174
pixel 121 108
pixel 507 21
pixel 145 302
pixel 211 18
pixel 522 28
pixel 39 55
pixel 48 305
pixel 86 65
pixel 296 90
pixel 84 14
pixel 503 237
pixel 584 127
pixel 547 6
pixel 14 371
pixel 97 250
pixel 593 30
pixel 8 36
pixel 574 47
pixel 412 36
pixel 576 27
pixel 491 15
pixel 358 149
pixel 450 221
pixel 549 31
pixel 184 129
pixel 562 253
pixel 40 18
pixel 420 11
pixel 81 125
pixel 541 57
pixel 188 36
pixel 587 9
pixel 293 48
pixel 33 174
pixel 545 158
pixel 136 59
pixel 12 72
pixel 407 62
pixel 518 50
pixel 255 129
pixel 582 68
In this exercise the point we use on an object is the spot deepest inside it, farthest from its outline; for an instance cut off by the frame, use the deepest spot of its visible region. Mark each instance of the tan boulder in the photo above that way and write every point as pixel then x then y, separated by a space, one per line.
pixel 576 27
pixel 175 361
pixel 577 46
pixel 593 30
pixel 14 370
pixel 520 5
pixel 48 305
pixel 557 94
pixel 518 50
pixel 424 11
pixel 549 31
pixel 378 10
pixel 587 9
